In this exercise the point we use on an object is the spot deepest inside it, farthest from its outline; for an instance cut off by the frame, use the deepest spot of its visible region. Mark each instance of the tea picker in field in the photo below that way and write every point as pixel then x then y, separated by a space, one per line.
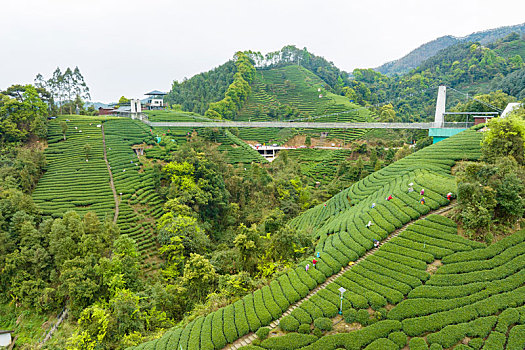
pixel 422 191
pixel 314 262
pixel 449 196
pixel 389 198
pixel 410 188
pixel 369 224
pixel 373 205
pixel 422 201
pixel 376 243
pixel 307 267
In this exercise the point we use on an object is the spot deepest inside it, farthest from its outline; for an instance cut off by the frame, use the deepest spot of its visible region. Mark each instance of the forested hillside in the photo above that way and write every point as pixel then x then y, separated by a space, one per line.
pixel 425 51
pixel 466 66
pixel 197 93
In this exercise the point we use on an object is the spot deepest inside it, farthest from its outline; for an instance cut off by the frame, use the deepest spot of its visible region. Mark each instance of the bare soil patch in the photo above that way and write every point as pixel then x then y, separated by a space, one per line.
pixel 432 267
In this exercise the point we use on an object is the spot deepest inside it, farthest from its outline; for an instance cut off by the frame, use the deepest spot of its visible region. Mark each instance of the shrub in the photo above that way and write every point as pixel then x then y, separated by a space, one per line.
pixel 418 344
pixel 256 342
pixel 301 315
pixel 304 328
pixel 516 337
pixel 317 332
pixel 462 347
pixel 289 341
pixel 262 333
pixel 476 343
pixel 362 317
pixel 289 324
pixel 505 319
pixel 350 315
pixel 381 344
pixel 436 346
pixel 495 341
pixel 380 314
pixel 399 338
pixel 323 323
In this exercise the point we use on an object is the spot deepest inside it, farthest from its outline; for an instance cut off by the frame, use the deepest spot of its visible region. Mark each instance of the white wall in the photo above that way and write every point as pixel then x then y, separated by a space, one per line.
pixel 157 102
pixel 5 339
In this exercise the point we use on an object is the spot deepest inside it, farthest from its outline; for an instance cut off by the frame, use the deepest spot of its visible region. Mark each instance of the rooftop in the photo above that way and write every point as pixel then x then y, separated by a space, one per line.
pixel 156 92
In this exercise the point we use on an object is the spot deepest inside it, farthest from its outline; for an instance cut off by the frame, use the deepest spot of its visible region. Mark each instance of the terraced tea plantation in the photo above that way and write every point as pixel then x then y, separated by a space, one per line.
pixel 139 203
pixel 173 116
pixel 237 151
pixel 84 185
pixel 321 164
pixel 71 182
pixel 294 86
pixel 399 293
pixel 449 293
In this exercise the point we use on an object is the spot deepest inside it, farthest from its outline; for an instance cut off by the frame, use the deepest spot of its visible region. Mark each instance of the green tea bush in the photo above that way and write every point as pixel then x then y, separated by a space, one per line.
pixel 399 338
pixel 262 333
pixel 505 319
pixel 217 334
pixel 495 341
pixel 289 324
pixel 476 343
pixel 289 341
pixel 382 344
pixel 516 337
pixel 317 332
pixel 417 344
pixel 350 315
pixel 363 317
pixel 435 346
pixel 462 347
pixel 304 328
pixel 451 334
pixel 323 323
pixel 205 335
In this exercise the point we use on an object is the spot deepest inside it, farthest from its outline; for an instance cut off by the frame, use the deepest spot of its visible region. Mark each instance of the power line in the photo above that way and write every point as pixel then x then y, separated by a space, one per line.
pixel 475 99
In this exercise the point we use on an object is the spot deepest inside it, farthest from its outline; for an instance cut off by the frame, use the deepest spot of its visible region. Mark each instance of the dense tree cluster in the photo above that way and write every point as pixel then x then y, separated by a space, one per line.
pixel 333 76
pixel 22 114
pixel 67 88
pixel 224 228
pixel 23 120
pixel 491 194
pixel 195 94
pixel 238 91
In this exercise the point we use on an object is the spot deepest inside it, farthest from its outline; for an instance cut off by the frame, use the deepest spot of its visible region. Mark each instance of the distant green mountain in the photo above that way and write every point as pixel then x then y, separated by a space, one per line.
pixel 425 51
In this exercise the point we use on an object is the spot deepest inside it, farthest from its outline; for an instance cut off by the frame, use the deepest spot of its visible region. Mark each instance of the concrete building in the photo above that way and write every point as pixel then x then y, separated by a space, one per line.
pixel 155 100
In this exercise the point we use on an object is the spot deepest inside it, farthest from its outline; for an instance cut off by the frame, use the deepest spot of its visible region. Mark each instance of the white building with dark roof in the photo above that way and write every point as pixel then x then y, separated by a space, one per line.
pixel 155 100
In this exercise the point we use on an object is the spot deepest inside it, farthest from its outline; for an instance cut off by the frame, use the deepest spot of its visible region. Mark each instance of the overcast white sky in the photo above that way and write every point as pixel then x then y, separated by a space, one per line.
pixel 129 47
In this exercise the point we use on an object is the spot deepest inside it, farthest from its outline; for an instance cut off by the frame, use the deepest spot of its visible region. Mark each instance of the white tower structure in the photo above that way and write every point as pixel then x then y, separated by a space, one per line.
pixel 136 107
pixel 439 119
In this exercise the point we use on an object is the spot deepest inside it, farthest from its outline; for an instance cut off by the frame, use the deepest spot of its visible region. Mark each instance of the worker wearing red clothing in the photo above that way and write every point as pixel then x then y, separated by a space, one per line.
pixel 389 198
pixel 314 262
